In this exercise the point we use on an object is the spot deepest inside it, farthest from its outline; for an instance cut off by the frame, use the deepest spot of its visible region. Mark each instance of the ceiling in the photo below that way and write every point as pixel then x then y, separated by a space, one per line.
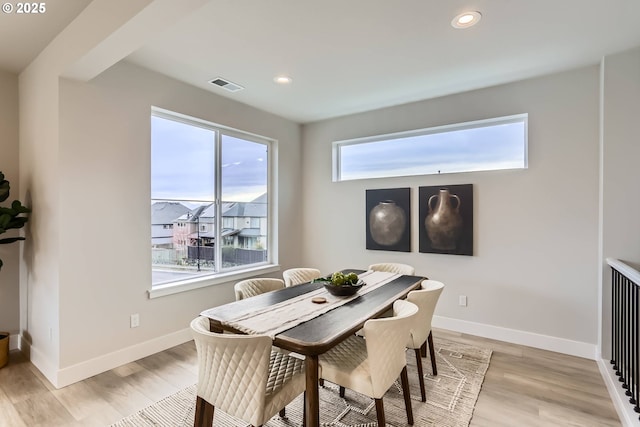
pixel 25 35
pixel 351 56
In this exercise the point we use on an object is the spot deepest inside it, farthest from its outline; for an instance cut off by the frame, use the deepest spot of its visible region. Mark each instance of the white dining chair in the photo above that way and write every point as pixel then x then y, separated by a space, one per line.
pixel 393 267
pixel 372 364
pixel 296 276
pixel 241 376
pixel 252 287
pixel 420 335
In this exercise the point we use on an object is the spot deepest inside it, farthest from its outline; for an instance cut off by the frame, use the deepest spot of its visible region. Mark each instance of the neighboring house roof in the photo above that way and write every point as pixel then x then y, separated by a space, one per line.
pixel 167 212
pixel 250 232
pixel 257 208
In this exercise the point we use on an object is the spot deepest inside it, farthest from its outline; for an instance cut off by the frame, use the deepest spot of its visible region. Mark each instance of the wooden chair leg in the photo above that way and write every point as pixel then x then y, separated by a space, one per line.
pixel 407 395
pixel 432 354
pixel 204 413
pixel 282 412
pixel 341 391
pixel 380 413
pixel 321 382
pixel 423 393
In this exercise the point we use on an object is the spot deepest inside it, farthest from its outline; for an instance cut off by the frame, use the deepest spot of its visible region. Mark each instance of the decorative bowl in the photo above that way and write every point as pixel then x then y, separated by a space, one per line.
pixel 343 290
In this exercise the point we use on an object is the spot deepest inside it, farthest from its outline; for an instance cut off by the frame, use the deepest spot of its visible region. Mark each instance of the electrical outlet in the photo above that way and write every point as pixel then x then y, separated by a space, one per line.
pixel 462 300
pixel 135 320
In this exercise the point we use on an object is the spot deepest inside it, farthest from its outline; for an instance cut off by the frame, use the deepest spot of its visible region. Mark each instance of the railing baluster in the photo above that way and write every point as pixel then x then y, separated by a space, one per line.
pixel 636 347
pixel 622 366
pixel 625 329
pixel 615 316
pixel 632 346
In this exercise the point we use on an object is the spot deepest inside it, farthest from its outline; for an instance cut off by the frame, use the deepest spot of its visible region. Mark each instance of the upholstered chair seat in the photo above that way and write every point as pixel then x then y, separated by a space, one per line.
pixel 241 376
pixel 393 267
pixel 296 276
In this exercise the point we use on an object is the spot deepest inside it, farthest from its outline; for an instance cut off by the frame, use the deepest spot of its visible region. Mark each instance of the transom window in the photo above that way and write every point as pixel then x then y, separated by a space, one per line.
pixel 209 199
pixel 499 143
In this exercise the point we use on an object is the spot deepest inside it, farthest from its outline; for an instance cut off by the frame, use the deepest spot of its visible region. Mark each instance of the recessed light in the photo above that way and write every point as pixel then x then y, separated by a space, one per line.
pixel 466 19
pixel 283 80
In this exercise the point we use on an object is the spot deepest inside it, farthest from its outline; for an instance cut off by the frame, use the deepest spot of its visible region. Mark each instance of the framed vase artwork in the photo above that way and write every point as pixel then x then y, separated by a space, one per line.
pixel 446 219
pixel 388 219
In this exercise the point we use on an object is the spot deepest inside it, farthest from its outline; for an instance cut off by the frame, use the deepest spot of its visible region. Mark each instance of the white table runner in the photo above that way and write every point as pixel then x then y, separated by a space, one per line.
pixel 287 314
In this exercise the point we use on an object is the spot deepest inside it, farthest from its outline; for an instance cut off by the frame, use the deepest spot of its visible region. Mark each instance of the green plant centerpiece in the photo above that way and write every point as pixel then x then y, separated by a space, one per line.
pixel 13 216
pixel 341 284
pixel 340 279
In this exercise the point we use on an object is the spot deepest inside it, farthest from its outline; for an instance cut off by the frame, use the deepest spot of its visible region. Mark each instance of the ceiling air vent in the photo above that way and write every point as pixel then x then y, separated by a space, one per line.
pixel 226 84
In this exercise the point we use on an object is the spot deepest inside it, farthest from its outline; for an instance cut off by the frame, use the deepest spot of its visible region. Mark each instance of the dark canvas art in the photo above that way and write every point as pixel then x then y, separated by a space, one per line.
pixel 388 219
pixel 446 219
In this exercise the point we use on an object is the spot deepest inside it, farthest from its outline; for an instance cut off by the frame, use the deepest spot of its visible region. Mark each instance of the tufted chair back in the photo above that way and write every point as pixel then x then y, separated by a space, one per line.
pixel 370 366
pixel 426 299
pixel 386 340
pixel 296 276
pixel 240 375
pixel 252 287
pixel 393 267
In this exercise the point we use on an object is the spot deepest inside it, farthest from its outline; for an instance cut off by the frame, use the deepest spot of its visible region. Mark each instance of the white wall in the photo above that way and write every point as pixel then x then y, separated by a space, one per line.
pixel 84 168
pixel 620 154
pixel 534 269
pixel 104 202
pixel 620 205
pixel 9 275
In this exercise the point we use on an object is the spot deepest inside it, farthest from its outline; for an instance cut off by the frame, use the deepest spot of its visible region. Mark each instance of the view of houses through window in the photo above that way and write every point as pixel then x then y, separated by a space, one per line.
pixel 209 199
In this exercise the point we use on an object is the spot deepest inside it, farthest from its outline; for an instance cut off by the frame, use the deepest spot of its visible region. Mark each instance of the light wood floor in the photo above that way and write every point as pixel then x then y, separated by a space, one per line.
pixel 523 387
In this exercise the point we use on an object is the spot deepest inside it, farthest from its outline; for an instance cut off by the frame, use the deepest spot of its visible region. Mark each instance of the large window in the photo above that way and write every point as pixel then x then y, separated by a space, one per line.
pixel 209 199
pixel 465 147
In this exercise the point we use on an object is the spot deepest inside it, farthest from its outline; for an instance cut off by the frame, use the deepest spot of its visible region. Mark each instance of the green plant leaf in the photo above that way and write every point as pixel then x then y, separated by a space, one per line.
pixel 10 216
pixel 4 220
pixel 10 240
pixel 17 222
pixel 18 207
pixel 4 188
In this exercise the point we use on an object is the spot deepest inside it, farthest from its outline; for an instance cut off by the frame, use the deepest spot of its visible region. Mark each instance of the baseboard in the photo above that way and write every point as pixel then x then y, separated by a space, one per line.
pixel 14 342
pixel 69 375
pixel 530 339
pixel 40 361
pixel 628 416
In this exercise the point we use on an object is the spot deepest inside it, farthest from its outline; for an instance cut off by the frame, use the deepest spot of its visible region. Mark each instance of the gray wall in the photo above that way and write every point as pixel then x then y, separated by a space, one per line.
pixel 10 254
pixel 102 199
pixel 534 271
pixel 620 171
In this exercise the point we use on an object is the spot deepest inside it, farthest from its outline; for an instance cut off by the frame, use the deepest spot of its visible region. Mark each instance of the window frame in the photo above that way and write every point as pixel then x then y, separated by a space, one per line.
pixel 237 272
pixel 476 124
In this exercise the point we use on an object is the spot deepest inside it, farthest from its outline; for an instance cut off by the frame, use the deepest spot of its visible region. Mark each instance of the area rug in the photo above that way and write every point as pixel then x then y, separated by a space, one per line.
pixel 451 397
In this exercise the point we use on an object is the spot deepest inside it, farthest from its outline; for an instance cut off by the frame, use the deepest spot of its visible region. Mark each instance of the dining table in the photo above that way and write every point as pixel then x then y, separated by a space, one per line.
pixel 298 323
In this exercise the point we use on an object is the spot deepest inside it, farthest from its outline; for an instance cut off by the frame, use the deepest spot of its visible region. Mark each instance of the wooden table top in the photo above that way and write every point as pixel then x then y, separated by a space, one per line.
pixel 321 333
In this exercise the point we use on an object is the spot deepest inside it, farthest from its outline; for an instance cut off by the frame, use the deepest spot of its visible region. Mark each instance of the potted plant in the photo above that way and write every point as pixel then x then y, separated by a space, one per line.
pixel 13 216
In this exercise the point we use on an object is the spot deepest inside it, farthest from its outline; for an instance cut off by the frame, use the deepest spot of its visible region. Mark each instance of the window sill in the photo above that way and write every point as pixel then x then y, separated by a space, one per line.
pixel 203 282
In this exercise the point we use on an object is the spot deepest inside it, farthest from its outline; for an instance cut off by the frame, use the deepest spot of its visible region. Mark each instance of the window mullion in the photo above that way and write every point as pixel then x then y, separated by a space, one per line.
pixel 217 162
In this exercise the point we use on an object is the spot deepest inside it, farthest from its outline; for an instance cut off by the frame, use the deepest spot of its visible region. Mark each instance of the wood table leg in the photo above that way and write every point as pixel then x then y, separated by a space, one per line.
pixel 312 404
